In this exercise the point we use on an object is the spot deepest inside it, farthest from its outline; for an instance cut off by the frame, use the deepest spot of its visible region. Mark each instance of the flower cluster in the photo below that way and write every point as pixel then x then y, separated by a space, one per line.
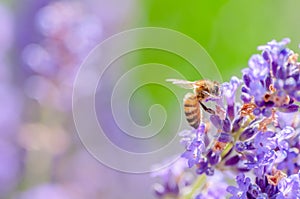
pixel 253 133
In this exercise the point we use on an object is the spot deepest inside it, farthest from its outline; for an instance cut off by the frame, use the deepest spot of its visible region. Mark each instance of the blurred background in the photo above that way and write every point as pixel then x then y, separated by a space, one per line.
pixel 43 43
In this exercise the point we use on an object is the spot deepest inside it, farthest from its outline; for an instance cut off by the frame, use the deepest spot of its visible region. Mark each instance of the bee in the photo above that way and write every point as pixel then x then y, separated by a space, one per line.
pixel 203 90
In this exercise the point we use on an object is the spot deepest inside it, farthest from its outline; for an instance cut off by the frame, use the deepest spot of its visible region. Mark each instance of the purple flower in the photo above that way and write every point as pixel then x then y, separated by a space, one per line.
pixel 248 190
pixel 243 186
pixel 264 141
pixel 229 90
pixel 290 187
pixel 276 66
pixel 290 162
pixel 247 133
pixel 258 68
pixel 275 53
pixel 259 135
pixel 195 145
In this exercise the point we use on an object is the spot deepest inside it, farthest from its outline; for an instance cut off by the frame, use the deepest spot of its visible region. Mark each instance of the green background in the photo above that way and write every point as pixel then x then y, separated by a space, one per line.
pixel 230 31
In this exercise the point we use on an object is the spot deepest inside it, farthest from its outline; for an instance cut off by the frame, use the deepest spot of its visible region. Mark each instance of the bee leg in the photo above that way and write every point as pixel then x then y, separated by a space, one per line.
pixel 209 110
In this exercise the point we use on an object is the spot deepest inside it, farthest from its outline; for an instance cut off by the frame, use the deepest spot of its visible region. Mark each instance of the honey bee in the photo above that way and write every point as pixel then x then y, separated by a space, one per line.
pixel 203 89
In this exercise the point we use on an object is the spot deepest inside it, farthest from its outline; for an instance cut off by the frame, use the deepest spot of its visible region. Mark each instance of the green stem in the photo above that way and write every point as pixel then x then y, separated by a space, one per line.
pixel 227 149
pixel 198 185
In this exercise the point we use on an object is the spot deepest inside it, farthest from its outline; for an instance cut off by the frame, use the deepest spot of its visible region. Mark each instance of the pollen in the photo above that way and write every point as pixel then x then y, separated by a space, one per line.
pixel 247 109
pixel 293 58
pixel 276 177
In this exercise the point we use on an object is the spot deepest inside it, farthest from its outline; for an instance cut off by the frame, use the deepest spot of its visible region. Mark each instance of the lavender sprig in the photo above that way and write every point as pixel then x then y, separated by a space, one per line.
pixel 253 133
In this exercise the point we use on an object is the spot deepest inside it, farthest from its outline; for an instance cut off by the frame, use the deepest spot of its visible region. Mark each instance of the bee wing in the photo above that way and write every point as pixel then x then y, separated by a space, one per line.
pixel 182 83
pixel 192 110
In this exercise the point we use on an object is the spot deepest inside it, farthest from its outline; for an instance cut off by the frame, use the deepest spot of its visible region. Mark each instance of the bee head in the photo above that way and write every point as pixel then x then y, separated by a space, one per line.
pixel 216 89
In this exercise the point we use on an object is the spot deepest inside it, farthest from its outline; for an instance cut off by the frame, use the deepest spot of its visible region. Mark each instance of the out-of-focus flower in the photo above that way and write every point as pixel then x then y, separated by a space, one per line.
pixel 10 167
pixel 11 155
pixel 53 191
pixel 173 179
pixel 215 188
pixel 70 31
pixel 6 36
pixel 58 35
pixel 83 183
pixel 38 137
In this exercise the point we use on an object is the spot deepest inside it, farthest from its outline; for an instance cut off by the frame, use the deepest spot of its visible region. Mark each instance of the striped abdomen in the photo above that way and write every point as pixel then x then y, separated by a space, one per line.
pixel 192 109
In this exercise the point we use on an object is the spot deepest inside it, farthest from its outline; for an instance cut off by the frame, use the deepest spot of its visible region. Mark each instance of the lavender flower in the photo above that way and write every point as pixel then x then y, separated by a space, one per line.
pixel 229 90
pixel 241 190
pixel 256 139
pixel 290 187
pixel 262 188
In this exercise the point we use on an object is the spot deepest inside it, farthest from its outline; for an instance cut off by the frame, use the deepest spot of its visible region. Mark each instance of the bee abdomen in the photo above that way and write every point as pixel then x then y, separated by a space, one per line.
pixel 192 110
